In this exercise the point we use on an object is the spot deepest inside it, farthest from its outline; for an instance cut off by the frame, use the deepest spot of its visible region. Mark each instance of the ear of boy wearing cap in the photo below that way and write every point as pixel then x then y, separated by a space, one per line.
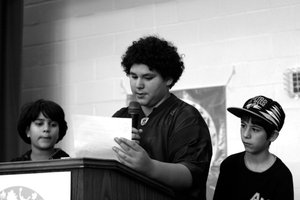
pixel 256 173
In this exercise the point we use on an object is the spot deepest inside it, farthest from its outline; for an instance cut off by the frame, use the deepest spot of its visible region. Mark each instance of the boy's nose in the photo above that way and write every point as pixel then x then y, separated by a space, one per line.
pixel 46 127
pixel 139 83
pixel 246 133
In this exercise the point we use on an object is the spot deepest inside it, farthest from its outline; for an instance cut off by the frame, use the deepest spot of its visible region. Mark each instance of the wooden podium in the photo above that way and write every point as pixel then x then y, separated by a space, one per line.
pixel 95 179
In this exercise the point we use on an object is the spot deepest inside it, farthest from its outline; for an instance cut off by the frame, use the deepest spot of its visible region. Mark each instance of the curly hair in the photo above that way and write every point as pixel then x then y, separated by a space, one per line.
pixel 31 111
pixel 158 54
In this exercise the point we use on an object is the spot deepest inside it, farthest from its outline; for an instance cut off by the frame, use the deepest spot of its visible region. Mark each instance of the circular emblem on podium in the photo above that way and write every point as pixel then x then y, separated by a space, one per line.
pixel 19 193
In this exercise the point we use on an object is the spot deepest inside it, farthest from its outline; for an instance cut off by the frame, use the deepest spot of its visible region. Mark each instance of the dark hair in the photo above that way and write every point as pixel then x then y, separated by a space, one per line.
pixel 260 122
pixel 50 109
pixel 158 54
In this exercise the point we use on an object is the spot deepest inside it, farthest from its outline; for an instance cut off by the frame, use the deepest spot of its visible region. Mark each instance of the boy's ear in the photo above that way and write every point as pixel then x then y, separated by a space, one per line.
pixel 169 82
pixel 274 136
pixel 27 132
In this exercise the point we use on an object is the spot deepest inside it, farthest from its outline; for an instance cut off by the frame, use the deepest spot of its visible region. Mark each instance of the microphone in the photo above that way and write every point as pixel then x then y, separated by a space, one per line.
pixel 134 109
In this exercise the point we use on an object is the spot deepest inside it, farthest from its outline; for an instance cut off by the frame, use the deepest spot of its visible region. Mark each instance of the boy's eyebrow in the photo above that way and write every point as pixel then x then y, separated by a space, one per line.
pixel 253 123
pixel 143 75
pixel 244 120
pixel 40 119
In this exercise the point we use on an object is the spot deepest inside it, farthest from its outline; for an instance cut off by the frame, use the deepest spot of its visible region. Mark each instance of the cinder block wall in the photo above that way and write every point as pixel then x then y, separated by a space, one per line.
pixel 72 53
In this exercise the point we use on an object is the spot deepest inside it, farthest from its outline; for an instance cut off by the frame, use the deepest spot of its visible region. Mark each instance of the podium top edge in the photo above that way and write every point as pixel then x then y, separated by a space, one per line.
pixel 69 164
pixel 58 164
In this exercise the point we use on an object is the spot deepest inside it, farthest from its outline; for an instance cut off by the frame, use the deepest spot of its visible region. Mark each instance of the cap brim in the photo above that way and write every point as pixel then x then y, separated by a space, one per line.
pixel 240 112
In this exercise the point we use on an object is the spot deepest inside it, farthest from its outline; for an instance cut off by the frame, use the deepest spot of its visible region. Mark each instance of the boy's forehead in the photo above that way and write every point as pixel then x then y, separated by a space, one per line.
pixel 42 116
pixel 142 69
pixel 253 119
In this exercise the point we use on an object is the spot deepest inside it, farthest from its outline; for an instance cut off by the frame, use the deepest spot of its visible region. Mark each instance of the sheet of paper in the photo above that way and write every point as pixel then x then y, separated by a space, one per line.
pixel 94 135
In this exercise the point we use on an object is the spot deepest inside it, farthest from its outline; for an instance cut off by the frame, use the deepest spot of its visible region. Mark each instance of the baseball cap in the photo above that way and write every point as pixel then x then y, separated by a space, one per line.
pixel 262 107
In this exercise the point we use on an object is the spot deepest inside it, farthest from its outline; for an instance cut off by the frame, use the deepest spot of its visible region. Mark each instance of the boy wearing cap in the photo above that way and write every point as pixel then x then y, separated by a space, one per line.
pixel 256 174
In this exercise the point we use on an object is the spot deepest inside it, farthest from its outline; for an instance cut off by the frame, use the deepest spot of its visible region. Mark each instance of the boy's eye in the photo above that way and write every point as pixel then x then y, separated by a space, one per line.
pixel 256 129
pixel 54 124
pixel 133 76
pixel 38 123
pixel 243 125
pixel 148 77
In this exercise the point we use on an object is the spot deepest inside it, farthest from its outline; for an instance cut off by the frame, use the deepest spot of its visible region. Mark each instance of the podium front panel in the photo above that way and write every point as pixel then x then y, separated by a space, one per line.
pixel 36 186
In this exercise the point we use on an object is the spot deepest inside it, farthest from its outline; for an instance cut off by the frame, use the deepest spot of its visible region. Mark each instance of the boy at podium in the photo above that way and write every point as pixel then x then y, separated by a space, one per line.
pixel 171 142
